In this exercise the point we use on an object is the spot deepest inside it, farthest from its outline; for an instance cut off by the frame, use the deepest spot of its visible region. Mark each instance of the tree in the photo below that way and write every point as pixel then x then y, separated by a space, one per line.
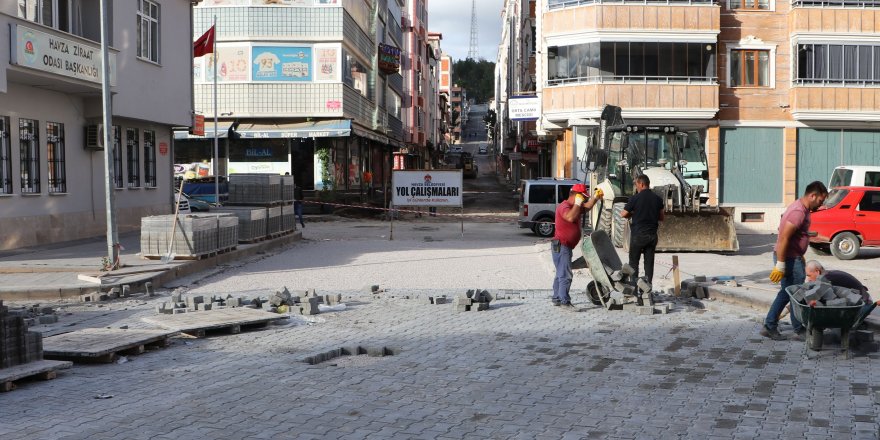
pixel 477 77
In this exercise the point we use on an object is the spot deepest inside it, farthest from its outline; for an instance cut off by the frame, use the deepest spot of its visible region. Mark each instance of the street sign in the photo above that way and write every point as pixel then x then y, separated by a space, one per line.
pixel 427 188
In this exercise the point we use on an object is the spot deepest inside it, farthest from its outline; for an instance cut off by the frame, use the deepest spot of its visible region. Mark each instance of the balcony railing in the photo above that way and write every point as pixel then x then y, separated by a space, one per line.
pixel 836 3
pixel 635 80
pixel 559 4
pixel 837 82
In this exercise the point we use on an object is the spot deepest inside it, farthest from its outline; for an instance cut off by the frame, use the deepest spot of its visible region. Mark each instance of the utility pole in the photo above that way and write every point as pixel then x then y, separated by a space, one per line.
pixel 109 191
pixel 474 51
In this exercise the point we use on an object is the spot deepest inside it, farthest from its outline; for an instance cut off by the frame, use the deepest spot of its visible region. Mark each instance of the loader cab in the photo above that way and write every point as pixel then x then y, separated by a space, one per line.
pixel 694 168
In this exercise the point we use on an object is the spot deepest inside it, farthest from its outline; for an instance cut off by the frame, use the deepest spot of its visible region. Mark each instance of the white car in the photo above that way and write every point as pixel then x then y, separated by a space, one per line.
pixel 482 149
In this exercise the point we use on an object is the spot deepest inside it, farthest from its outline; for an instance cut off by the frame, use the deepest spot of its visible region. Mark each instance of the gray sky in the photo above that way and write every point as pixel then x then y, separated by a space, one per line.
pixel 452 18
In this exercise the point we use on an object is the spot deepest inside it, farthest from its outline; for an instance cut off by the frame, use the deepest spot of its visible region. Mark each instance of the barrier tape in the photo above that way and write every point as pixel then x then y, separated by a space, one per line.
pixel 671 266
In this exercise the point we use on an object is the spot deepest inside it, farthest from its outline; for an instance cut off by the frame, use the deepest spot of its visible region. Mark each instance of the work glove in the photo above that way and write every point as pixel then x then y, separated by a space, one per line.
pixel 599 194
pixel 778 272
pixel 580 199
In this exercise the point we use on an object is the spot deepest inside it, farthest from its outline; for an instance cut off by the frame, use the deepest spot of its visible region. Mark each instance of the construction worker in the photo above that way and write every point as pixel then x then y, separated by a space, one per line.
pixel 566 237
pixel 815 271
pixel 646 211
pixel 788 256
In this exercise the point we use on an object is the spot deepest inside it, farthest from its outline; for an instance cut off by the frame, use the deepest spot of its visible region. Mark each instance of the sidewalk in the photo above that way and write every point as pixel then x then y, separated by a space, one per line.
pixel 51 271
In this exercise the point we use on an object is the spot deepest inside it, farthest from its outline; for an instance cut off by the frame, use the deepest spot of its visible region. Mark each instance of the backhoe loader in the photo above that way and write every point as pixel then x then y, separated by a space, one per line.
pixel 620 152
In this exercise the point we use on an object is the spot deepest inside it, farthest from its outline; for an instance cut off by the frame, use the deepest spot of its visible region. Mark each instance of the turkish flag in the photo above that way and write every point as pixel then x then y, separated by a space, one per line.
pixel 205 44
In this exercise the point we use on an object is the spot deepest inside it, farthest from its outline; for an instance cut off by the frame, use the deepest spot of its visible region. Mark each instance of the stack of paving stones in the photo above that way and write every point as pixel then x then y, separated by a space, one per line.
pixel 227 229
pixel 822 294
pixel 288 219
pixel 273 220
pixel 254 189
pixel 474 300
pixel 17 345
pixel 626 284
pixel 287 189
pixel 251 222
pixel 194 235
pixel 115 292
pixel 698 287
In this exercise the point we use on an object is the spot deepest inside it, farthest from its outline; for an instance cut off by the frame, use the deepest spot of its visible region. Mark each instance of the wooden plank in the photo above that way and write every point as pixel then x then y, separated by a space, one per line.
pixel 101 344
pixel 197 323
pixel 676 275
pixel 45 369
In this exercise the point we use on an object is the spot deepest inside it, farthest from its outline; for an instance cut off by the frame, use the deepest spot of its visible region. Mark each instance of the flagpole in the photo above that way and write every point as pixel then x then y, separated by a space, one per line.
pixel 216 140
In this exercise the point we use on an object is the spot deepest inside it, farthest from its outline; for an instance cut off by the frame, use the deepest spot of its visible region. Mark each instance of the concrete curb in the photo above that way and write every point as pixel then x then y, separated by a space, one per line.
pixel 159 279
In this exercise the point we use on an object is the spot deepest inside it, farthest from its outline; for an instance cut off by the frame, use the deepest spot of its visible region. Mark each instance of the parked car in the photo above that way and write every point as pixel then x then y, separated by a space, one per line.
pixel 855 175
pixel 849 220
pixel 482 150
pixel 537 203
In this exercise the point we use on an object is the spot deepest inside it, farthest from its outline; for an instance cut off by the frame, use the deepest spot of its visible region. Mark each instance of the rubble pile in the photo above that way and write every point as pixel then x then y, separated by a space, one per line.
pixel 475 300
pixel 17 345
pixel 821 294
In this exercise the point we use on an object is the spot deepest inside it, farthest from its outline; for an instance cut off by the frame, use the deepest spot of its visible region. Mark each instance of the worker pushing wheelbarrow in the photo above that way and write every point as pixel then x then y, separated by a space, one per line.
pixel 820 306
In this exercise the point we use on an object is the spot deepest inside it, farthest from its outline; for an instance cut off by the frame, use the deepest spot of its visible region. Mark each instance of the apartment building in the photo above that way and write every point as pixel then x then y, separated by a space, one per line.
pixel 416 79
pixel 781 91
pixel 437 102
pixel 310 87
pixel 444 88
pixel 521 149
pixel 51 163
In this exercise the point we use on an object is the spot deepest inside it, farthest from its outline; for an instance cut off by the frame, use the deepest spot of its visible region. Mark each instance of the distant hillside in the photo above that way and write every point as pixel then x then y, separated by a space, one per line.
pixel 475 76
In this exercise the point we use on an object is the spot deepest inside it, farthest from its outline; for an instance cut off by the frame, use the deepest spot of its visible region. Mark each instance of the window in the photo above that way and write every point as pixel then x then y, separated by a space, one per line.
pixel 5 157
pixel 631 61
pixel 133 154
pixel 29 145
pixel 148 30
pixel 542 193
pixel 749 68
pixel 149 159
pixel 838 64
pixel 870 201
pixel 117 157
pixel 749 4
pixel 64 15
pixel 55 155
pixel 872 178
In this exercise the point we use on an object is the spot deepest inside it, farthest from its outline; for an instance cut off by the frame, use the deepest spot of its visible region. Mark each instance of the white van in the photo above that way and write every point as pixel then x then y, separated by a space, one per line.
pixel 537 203
pixel 855 175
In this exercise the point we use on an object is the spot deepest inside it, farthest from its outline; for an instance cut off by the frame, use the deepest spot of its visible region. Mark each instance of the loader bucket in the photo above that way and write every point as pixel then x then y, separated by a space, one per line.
pixel 705 231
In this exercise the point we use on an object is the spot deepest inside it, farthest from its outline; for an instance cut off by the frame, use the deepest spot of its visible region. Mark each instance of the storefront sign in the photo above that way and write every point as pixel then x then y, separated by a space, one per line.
pixel 524 108
pixel 163 148
pixel 427 188
pixel 389 59
pixel 285 63
pixel 198 125
pixel 40 50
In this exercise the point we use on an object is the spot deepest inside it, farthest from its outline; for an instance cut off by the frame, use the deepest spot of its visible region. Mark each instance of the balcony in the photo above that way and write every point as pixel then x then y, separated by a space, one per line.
pixel 835 103
pixel 691 18
pixel 665 100
pixel 833 20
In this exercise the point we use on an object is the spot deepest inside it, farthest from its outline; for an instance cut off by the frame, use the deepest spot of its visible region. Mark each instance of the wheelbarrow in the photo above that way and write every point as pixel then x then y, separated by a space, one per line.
pixel 602 259
pixel 817 319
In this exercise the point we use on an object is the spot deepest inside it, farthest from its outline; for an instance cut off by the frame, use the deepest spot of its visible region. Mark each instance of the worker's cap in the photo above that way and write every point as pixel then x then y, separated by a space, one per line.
pixel 580 188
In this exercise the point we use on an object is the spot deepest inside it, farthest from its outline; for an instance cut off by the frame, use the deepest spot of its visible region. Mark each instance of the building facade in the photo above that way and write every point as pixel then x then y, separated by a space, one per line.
pixel 51 163
pixel 781 92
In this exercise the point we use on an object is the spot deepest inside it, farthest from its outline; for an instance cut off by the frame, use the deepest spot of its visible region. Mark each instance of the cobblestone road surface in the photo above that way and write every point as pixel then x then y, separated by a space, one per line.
pixel 523 369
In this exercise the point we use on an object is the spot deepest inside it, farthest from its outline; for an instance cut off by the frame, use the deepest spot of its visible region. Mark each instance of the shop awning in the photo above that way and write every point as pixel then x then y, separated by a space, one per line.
pixel 369 134
pixel 247 130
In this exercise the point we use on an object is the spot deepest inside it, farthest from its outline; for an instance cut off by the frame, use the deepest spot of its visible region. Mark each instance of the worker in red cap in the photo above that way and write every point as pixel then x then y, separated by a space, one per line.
pixel 566 238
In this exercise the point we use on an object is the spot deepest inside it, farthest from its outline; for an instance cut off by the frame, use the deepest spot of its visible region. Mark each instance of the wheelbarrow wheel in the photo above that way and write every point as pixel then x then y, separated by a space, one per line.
pixel 594 291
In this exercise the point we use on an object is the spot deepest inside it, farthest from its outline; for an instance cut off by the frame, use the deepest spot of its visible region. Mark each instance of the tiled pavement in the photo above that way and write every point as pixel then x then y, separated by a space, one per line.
pixel 523 369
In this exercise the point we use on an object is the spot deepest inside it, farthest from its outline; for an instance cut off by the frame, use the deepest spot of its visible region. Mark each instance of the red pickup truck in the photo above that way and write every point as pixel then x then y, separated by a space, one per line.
pixel 849 220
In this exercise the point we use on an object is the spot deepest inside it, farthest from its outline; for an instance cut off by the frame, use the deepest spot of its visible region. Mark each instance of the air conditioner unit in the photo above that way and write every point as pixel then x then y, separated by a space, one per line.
pixel 93 139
